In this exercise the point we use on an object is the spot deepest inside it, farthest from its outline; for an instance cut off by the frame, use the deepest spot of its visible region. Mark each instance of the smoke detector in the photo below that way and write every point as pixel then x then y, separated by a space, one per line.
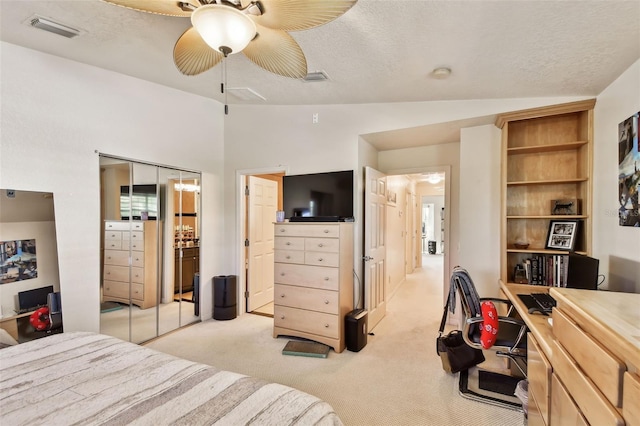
pixel 316 76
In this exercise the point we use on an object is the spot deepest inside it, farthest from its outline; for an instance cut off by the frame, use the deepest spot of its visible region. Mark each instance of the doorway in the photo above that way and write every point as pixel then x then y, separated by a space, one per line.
pixel 426 202
pixel 261 195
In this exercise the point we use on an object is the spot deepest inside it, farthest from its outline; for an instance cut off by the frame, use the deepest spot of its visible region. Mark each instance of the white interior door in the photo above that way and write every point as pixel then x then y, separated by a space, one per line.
pixel 375 199
pixel 262 205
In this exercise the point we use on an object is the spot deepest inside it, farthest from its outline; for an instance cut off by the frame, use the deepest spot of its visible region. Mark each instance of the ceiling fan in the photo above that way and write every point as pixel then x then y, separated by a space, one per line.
pixel 259 29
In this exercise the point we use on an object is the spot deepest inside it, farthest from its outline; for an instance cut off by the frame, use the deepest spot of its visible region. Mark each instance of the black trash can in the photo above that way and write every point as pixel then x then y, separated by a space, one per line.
pixel 195 295
pixel 432 247
pixel 225 296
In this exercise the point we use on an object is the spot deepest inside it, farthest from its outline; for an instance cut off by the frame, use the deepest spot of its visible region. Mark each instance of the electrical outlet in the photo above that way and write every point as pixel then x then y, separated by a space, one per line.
pixel 315 118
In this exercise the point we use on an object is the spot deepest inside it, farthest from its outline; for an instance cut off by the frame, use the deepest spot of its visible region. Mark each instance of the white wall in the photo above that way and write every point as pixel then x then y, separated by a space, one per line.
pixel 259 137
pixel 46 255
pixel 617 247
pixel 480 207
pixel 58 114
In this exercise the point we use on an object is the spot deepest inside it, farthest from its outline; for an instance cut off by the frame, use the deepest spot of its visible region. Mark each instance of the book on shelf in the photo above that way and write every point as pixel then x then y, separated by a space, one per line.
pixel 546 269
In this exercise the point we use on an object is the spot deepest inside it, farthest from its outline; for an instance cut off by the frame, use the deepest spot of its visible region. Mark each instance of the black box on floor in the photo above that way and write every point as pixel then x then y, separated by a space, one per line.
pixel 355 329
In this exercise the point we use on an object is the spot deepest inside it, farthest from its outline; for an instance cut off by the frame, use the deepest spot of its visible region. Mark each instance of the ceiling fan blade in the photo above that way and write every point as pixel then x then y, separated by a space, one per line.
pixel 276 51
pixel 192 55
pixel 160 7
pixel 295 15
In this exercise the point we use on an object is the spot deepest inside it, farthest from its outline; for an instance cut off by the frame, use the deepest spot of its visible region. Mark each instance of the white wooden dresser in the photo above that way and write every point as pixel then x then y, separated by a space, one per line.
pixel 142 238
pixel 313 286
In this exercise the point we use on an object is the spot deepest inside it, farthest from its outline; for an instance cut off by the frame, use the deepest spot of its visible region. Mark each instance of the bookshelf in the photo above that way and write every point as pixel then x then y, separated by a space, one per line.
pixel 546 156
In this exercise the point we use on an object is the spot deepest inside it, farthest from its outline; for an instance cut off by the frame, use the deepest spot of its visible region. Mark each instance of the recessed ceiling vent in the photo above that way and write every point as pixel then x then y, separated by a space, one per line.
pixel 316 76
pixel 50 25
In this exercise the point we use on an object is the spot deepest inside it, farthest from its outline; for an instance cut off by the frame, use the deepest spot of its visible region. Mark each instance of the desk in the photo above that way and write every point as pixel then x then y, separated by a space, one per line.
pixel 10 324
pixel 585 368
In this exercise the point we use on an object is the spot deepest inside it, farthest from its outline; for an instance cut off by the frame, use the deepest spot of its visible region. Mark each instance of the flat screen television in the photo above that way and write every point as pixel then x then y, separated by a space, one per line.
pixel 318 197
pixel 144 199
pixel 582 272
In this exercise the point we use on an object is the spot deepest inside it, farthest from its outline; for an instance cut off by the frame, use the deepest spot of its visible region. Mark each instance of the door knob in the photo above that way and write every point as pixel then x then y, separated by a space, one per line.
pixel 367 258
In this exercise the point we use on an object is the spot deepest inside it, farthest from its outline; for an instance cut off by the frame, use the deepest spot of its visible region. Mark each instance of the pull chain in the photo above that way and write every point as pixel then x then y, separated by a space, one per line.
pixel 223 88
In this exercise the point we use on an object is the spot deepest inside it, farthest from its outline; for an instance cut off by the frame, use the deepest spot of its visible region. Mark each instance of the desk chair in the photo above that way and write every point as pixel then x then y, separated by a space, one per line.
pixel 511 341
pixel 55 312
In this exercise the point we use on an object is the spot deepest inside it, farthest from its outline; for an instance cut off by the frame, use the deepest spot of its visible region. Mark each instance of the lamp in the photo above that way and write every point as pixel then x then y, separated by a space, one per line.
pixel 433 178
pixel 224 28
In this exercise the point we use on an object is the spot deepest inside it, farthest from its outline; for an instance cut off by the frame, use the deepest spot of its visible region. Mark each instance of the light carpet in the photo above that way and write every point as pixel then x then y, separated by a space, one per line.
pixel 397 379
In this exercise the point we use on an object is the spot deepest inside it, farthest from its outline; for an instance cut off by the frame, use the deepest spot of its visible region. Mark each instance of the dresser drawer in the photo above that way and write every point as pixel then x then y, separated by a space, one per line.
pixel 121 290
pixel 598 363
pixel 320 230
pixel 123 226
pixel 289 256
pixel 563 410
pixel 307 276
pixel 328 245
pixel 312 299
pixel 121 258
pixel 112 236
pixel 289 243
pixel 113 244
pixel 121 273
pixel 322 259
pixel 592 403
pixel 539 374
pixel 631 399
pixel 308 321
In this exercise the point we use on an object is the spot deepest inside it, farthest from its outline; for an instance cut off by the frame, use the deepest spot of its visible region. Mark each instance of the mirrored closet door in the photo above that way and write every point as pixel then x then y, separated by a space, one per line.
pixel 150 244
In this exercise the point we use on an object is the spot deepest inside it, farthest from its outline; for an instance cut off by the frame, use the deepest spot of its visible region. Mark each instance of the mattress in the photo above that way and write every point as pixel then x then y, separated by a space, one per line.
pixel 88 378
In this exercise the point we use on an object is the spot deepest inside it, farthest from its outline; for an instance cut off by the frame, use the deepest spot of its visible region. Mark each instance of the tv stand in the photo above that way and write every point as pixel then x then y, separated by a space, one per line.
pixel 314 219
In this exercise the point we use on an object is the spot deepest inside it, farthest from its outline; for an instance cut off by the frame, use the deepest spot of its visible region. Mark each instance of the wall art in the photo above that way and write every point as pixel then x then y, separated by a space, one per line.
pixel 628 172
pixel 17 260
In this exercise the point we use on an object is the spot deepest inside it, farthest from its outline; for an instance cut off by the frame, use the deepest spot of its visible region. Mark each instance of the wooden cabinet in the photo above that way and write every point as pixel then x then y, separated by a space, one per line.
pixel 313 288
pixel 131 262
pixel 539 375
pixel 190 266
pixel 546 156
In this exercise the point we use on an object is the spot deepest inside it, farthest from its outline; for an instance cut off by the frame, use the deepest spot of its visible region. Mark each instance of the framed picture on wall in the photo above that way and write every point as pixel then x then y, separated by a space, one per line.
pixel 562 235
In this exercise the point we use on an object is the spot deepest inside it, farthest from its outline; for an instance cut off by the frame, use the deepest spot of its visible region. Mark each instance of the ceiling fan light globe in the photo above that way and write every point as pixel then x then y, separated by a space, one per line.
pixel 223 28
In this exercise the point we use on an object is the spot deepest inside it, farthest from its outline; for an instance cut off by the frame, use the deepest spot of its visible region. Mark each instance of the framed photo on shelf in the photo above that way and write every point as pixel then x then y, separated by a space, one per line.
pixel 562 235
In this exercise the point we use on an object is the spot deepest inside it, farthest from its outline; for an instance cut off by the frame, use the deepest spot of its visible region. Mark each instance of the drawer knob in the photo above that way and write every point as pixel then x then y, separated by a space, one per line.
pixel 281 229
pixel 282 295
pixel 282 274
pixel 288 243
pixel 281 316
pixel 326 326
pixel 320 259
pixel 326 302
pixel 320 245
pixel 326 231
pixel 326 278
pixel 288 257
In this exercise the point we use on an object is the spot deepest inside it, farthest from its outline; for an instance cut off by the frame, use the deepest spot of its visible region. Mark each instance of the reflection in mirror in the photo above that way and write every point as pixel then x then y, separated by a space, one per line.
pixel 187 244
pixel 143 212
pixel 28 259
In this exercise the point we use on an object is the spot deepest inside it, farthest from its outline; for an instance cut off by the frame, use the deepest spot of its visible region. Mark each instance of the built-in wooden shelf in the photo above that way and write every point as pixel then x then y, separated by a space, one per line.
pixel 545 148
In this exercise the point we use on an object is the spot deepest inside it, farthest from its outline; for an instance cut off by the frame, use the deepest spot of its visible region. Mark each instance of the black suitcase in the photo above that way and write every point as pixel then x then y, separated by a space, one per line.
pixel 355 328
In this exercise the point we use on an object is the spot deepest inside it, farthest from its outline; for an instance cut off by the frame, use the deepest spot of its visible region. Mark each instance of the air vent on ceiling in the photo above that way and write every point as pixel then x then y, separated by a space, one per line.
pixel 245 94
pixel 316 76
pixel 48 24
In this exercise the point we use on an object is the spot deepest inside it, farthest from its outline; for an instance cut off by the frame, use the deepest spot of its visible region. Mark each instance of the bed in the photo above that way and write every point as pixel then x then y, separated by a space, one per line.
pixel 88 378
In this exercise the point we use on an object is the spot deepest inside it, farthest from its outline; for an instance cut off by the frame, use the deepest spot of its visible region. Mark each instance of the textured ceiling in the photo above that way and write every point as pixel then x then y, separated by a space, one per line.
pixel 378 52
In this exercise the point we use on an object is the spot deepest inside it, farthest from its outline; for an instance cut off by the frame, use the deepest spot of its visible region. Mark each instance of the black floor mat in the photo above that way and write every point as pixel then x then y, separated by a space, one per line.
pixel 498 383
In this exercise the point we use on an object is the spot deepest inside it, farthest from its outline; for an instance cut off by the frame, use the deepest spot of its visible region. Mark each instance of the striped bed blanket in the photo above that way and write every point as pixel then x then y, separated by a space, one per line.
pixel 87 378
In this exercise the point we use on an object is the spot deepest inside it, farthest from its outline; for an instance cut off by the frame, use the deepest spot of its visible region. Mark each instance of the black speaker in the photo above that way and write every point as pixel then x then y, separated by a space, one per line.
pixel 355 329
